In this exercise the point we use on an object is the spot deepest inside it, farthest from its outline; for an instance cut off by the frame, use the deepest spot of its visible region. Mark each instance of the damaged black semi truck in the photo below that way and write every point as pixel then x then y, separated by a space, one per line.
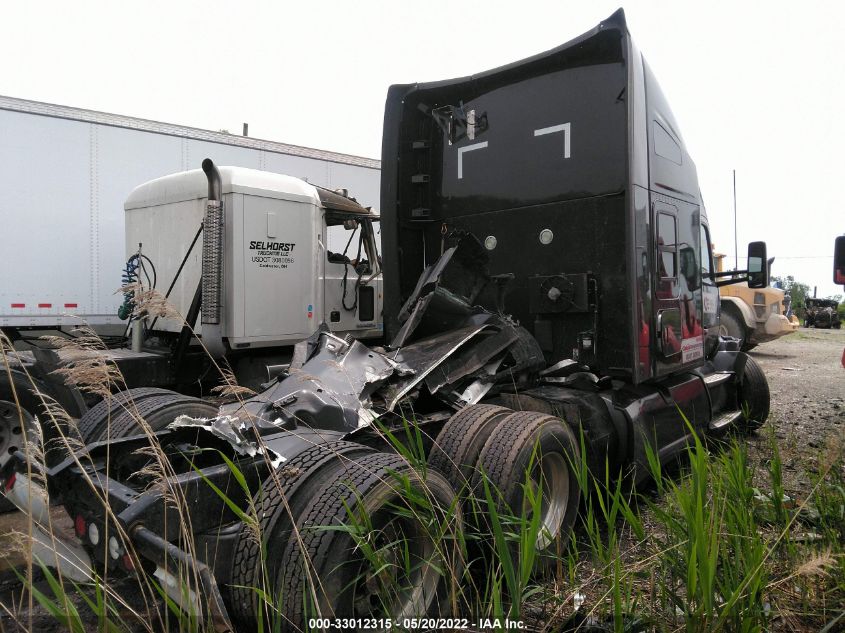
pixel 547 278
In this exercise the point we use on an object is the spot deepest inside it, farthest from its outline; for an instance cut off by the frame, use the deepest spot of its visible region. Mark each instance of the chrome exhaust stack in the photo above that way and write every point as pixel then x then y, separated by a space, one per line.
pixel 212 262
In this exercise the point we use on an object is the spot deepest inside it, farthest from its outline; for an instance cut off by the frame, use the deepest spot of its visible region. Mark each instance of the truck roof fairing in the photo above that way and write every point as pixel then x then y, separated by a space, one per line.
pixel 549 162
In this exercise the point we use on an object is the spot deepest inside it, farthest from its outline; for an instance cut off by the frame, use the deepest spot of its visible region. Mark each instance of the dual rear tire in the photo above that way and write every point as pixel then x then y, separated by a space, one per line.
pixel 347 532
pixel 522 462
pixel 343 531
pixel 119 415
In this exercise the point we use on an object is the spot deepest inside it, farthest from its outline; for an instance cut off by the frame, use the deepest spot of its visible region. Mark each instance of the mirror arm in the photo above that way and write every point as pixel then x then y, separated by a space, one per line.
pixel 730 282
pixel 730 272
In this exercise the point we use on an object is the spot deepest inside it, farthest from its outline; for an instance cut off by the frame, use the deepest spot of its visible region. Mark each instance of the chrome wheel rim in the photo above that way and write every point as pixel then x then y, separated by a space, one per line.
pixel 406 577
pixel 11 430
pixel 551 477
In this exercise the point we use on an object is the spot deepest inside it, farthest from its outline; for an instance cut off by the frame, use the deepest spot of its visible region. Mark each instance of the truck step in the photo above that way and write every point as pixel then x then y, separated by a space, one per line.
pixel 725 420
pixel 717 378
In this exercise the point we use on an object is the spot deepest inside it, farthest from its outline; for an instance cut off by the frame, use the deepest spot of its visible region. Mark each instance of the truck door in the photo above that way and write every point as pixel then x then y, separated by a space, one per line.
pixel 678 317
pixel 351 288
pixel 678 294
pixel 667 302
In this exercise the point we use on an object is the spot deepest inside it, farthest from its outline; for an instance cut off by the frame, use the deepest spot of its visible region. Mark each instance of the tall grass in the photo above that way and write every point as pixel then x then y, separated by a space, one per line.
pixel 719 547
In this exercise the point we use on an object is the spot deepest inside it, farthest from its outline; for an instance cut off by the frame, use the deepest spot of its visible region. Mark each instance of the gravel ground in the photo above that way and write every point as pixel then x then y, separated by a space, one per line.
pixel 807 384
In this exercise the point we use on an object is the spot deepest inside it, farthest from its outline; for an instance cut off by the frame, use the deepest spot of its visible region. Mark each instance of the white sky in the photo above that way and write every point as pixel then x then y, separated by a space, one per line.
pixel 756 87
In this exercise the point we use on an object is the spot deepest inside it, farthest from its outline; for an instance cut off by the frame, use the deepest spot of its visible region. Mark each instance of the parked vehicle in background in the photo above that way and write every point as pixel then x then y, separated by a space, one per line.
pixel 753 315
pixel 821 313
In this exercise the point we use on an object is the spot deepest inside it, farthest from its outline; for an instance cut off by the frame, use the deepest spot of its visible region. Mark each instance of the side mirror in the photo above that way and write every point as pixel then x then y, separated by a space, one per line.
pixel 758 265
pixel 839 261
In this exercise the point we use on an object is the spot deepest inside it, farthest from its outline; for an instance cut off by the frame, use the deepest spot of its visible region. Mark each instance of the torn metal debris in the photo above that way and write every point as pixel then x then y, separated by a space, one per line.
pixel 233 431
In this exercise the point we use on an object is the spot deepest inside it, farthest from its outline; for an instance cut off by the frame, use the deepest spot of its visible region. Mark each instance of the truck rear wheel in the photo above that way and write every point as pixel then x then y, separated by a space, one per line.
pixel 18 387
pixel 16 427
pixel 98 416
pixel 754 397
pixel 531 451
pixel 278 505
pixel 459 443
pixel 376 542
pixel 157 410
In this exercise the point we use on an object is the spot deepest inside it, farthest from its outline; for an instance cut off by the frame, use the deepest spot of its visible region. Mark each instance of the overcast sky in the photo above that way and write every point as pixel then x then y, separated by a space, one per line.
pixel 755 87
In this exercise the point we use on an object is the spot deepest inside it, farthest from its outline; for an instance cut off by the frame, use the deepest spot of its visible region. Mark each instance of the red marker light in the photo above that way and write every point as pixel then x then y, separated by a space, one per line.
pixel 45 305
pixel 18 305
pixel 10 482
pixel 79 526
pixel 128 563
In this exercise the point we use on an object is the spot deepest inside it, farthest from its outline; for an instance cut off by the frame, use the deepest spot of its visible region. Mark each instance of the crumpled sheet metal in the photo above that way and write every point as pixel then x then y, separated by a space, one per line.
pixel 234 431
pixel 472 359
pixel 425 356
pixel 334 386
pixel 415 307
pixel 329 387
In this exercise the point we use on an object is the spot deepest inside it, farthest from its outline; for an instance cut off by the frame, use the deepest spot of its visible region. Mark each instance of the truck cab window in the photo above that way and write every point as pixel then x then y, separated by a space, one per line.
pixel 345 242
pixel 667 245
pixel 706 257
pixel 689 265
pixel 351 241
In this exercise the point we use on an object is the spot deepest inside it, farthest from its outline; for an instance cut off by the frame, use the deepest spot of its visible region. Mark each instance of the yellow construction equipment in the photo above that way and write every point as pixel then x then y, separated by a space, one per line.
pixel 753 315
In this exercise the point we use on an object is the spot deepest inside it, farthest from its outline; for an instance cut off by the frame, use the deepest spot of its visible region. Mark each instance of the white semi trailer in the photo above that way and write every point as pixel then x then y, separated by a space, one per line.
pixel 67 173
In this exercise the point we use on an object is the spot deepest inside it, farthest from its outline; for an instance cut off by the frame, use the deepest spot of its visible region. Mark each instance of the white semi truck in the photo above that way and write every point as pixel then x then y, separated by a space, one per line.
pixel 250 251
pixel 67 173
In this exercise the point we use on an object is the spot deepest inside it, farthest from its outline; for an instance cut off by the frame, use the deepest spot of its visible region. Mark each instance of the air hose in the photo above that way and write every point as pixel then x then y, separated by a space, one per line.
pixel 129 277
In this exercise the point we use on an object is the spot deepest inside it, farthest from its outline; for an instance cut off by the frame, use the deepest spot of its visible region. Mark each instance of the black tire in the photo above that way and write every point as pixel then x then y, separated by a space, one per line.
pixel 375 487
pixel 277 508
pixel 157 411
pixel 97 417
pixel 754 397
pixel 528 442
pixel 731 325
pixel 459 443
